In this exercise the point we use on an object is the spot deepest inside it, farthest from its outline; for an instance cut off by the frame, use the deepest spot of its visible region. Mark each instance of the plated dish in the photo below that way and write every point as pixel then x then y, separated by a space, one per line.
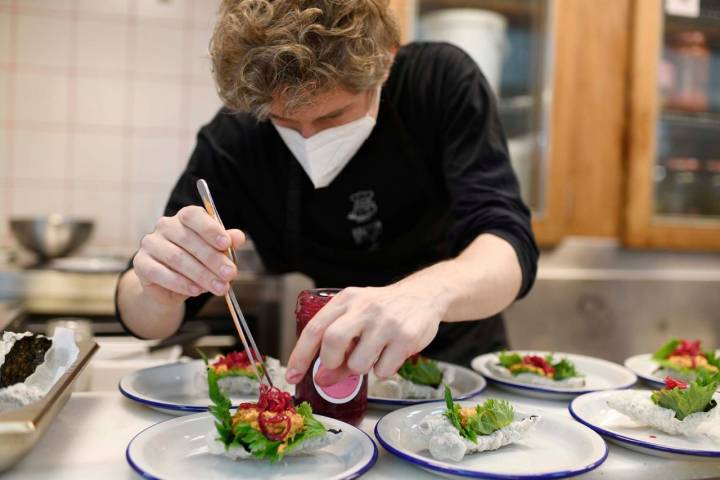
pixel 679 419
pixel 489 439
pixel 422 380
pixel 251 441
pixel 269 429
pixel 460 431
pixel 679 358
pixel 30 365
pixel 181 388
pixel 551 375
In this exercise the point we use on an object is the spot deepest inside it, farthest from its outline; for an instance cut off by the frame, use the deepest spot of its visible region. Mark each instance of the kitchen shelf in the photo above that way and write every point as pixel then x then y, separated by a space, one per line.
pixel 689 118
pixel 709 25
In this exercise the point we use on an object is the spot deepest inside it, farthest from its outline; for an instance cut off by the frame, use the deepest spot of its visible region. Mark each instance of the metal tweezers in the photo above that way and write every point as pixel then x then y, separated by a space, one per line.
pixel 238 318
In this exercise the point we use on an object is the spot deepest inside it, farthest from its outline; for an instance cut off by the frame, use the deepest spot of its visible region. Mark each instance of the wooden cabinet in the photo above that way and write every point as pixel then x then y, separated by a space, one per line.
pixel 602 65
pixel 673 194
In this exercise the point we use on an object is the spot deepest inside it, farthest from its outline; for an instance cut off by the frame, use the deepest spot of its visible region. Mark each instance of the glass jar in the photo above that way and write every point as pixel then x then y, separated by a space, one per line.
pixel 346 400
pixel 689 59
pixel 678 191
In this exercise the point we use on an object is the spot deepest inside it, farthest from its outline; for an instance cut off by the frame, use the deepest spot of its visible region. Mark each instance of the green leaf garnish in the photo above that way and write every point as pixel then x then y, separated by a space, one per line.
pixel 243 435
pixel 697 397
pixel 564 369
pixel 220 408
pixel 665 351
pixel 489 417
pixel 509 359
pixel 422 371
pixel 313 427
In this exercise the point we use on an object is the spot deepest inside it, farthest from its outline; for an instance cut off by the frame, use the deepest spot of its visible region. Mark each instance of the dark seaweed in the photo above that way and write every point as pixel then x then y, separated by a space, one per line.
pixel 22 359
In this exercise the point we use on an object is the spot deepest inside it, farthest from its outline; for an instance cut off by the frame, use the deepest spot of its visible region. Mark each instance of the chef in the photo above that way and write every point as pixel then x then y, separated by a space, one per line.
pixel 368 166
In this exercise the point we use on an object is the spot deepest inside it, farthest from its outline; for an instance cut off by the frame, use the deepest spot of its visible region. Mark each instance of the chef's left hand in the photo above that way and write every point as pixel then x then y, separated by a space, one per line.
pixel 365 327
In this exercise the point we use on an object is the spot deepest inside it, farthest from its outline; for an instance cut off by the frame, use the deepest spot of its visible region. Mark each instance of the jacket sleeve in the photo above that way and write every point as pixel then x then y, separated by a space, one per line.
pixel 484 191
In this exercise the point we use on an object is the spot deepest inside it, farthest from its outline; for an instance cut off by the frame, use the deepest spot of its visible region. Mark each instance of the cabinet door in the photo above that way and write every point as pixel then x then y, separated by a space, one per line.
pixel 511 42
pixel 674 171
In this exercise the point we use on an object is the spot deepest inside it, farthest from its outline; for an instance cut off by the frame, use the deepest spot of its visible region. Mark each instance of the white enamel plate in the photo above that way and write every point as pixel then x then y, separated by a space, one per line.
pixel 176 389
pixel 644 367
pixel 557 447
pixel 177 449
pixel 593 411
pixel 599 375
pixel 466 384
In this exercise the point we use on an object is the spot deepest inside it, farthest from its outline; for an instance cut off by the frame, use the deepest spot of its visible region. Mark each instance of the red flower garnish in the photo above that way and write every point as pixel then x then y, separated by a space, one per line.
pixel 233 360
pixel 274 400
pixel 672 383
pixel 687 347
pixel 539 362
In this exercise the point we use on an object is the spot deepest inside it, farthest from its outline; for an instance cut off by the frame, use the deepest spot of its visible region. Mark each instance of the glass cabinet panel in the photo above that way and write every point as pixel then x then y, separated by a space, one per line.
pixel 687 164
pixel 510 40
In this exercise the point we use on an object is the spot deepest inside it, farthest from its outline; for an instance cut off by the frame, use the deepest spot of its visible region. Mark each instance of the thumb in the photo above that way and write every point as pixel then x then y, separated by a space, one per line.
pixel 326 377
pixel 237 237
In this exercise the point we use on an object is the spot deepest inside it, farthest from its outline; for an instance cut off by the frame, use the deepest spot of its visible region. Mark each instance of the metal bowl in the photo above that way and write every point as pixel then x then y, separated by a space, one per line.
pixel 51 236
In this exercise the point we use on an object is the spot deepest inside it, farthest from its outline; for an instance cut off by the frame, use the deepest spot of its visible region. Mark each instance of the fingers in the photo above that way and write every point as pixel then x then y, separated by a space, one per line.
pixel 367 352
pixel 216 261
pixel 156 273
pixel 181 262
pixel 308 344
pixel 338 339
pixel 198 220
pixel 391 360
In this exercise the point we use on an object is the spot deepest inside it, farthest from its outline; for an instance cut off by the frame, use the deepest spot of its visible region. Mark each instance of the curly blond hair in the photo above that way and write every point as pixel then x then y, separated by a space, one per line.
pixel 296 49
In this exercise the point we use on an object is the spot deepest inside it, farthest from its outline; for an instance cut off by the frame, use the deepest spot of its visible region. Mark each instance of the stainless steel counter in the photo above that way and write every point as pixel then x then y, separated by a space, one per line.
pixel 596 298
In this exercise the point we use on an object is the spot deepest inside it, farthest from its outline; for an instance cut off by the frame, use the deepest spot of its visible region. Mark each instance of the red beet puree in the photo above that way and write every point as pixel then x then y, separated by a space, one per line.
pixel 346 400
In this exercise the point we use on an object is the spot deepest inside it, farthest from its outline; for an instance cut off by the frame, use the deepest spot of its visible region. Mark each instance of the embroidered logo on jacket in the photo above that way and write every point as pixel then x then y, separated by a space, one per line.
pixel 363 210
pixel 364 207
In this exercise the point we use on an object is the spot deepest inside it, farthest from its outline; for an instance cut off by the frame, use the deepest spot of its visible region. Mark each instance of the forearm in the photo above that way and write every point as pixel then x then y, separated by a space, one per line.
pixel 145 313
pixel 482 281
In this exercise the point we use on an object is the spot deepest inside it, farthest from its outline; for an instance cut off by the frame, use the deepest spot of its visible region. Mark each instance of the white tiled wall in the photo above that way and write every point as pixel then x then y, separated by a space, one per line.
pixel 100 102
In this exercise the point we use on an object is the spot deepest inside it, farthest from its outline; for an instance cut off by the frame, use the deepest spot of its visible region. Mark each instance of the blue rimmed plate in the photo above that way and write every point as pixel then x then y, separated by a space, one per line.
pixel 599 374
pixel 644 367
pixel 176 388
pixel 557 447
pixel 592 410
pixel 465 383
pixel 177 449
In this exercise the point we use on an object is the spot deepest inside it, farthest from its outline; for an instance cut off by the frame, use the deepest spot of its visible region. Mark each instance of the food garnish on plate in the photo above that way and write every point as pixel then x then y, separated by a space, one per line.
pixel 537 370
pixel 462 430
pixel 236 375
pixel 418 378
pixel 683 359
pixel 268 429
pixel 680 408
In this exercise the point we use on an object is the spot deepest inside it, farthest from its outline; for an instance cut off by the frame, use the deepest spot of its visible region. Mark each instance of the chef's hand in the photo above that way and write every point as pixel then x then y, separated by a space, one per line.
pixel 185 256
pixel 365 327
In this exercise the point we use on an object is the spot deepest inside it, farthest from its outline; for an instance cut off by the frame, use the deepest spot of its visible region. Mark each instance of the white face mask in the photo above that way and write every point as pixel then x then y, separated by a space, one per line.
pixel 325 154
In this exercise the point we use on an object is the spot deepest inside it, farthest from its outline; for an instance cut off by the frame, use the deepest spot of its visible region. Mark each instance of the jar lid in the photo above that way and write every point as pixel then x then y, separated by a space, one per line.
pixel 692 38
pixel 683 164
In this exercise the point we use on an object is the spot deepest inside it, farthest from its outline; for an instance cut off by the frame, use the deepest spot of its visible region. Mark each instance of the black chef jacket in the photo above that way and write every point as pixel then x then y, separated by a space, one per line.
pixel 432 176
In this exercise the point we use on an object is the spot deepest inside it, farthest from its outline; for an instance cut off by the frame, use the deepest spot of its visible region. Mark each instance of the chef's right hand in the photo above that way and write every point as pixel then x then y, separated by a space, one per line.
pixel 185 256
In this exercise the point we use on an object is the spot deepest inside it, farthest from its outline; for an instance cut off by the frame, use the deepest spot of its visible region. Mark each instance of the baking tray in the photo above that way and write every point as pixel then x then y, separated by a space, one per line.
pixel 21 428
